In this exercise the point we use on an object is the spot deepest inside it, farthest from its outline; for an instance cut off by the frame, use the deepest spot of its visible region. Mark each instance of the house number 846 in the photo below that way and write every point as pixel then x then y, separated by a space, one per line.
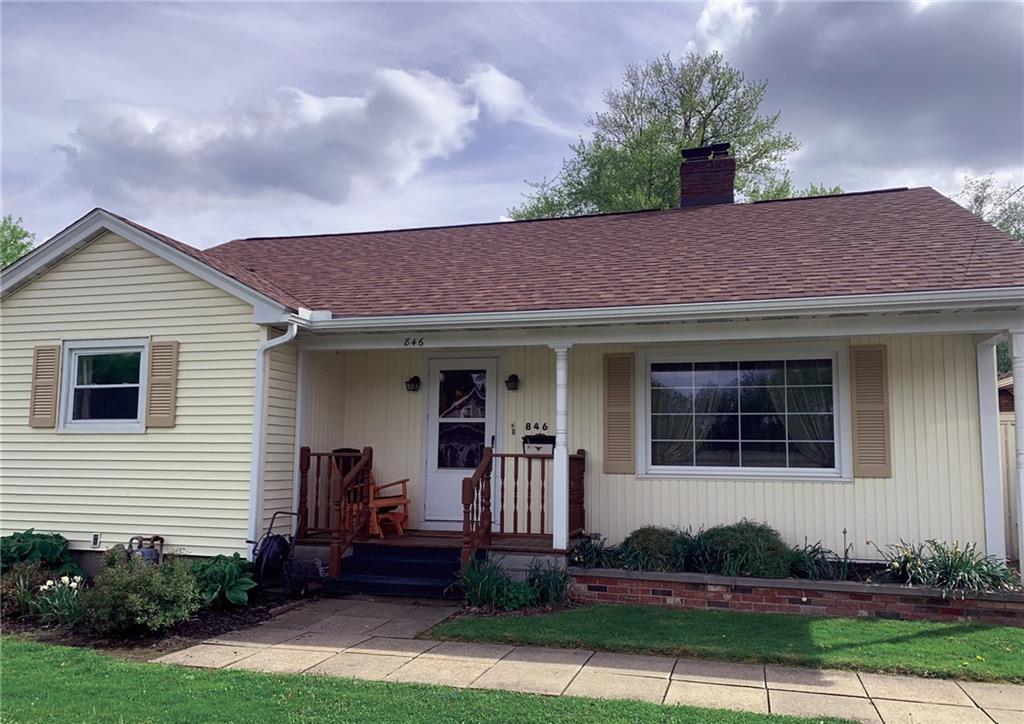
pixel 413 342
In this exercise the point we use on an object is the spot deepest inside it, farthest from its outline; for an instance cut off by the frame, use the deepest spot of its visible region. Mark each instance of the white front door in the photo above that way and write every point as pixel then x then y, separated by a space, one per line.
pixel 461 414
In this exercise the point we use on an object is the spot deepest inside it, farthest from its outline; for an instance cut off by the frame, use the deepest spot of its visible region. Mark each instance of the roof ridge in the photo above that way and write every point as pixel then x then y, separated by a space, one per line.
pixel 549 218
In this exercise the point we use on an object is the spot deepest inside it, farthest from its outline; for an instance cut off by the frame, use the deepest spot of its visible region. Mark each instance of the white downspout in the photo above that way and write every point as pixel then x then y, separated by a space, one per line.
pixel 259 426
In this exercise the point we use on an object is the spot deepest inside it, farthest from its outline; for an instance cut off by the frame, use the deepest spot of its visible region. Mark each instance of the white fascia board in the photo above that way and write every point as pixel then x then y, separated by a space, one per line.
pixel 96 223
pixel 852 304
pixel 697 331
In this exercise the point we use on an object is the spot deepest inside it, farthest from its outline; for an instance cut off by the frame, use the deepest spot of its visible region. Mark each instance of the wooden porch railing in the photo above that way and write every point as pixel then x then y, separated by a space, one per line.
pixel 333 502
pixel 523 495
pixel 476 508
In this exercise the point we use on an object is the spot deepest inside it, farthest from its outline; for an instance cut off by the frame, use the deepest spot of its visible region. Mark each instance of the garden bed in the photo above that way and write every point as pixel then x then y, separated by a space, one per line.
pixel 207 623
pixel 817 598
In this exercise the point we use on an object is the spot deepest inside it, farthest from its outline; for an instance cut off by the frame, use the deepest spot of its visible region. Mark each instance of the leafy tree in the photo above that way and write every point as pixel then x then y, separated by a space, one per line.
pixel 781 187
pixel 15 240
pixel 631 160
pixel 1003 207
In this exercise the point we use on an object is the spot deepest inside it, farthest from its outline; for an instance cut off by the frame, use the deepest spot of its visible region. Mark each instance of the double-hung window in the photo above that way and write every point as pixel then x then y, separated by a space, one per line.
pixel 104 386
pixel 755 414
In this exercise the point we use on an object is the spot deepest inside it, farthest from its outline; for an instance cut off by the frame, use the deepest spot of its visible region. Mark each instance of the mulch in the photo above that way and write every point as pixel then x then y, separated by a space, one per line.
pixel 207 623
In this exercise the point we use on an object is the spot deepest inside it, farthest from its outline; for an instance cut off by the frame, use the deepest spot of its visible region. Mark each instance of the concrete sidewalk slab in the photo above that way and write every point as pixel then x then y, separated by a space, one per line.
pixel 323 641
pixel 257 636
pixel 596 683
pixel 632 664
pixel 343 623
pixel 281 661
pixel 207 656
pixel 997 696
pixel 913 688
pixel 719 672
pixel 799 703
pixel 403 628
pixel 814 681
pixel 359 666
pixel 393 647
pixel 743 698
pixel 1005 716
pixel 912 712
pixel 465 651
pixel 534 670
pixel 448 672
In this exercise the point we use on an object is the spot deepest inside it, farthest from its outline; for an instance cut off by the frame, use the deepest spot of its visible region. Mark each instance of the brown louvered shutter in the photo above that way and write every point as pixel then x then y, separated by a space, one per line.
pixel 619 414
pixel 42 405
pixel 162 392
pixel 869 395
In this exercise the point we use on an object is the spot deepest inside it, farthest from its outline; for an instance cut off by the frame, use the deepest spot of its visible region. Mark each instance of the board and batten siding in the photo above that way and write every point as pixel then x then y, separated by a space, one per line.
pixel 190 482
pixel 935 489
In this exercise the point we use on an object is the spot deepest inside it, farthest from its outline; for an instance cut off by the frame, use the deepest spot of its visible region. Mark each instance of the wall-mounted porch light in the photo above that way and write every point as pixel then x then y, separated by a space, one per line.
pixel 512 383
pixel 413 384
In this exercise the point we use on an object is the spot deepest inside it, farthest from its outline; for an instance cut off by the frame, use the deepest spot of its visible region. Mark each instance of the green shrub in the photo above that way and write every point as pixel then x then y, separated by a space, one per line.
pixel 653 548
pixel 50 549
pixel 951 568
pixel 60 601
pixel 225 581
pixel 486 585
pixel 594 552
pixel 132 597
pixel 746 549
pixel 19 587
pixel 549 582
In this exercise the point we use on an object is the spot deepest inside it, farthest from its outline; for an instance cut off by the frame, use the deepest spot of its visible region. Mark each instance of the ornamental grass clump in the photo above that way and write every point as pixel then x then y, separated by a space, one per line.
pixel 486 585
pixel 954 569
pixel 655 548
pixel 747 549
pixel 19 586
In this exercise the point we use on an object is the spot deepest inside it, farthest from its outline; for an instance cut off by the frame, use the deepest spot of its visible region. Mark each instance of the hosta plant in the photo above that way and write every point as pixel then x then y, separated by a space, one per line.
pixel 50 549
pixel 225 581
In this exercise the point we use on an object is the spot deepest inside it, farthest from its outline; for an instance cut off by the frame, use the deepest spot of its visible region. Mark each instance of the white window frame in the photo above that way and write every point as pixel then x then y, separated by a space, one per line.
pixel 837 351
pixel 75 349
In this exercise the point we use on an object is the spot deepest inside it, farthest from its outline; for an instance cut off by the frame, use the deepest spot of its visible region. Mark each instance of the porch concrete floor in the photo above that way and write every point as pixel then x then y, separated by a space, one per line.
pixel 371 638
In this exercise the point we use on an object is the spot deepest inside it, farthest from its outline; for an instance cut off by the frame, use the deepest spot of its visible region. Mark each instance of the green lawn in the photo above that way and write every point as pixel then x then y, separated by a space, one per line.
pixel 59 684
pixel 966 651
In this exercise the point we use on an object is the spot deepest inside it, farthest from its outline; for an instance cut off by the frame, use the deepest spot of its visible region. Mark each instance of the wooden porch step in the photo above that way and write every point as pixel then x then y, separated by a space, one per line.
pixel 398 570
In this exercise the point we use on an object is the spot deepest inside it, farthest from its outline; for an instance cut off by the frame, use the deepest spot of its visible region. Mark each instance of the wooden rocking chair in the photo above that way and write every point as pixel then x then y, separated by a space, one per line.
pixel 388 508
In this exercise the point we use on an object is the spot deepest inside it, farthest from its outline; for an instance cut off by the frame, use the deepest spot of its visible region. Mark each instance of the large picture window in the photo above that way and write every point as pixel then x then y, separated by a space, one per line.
pixel 104 386
pixel 769 414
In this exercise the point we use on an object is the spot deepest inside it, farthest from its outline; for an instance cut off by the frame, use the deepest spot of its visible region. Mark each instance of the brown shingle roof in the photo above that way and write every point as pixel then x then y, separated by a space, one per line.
pixel 882 242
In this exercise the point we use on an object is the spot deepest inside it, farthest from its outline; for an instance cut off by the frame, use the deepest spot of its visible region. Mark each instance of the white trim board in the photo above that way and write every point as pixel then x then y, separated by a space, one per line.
pixel 98 222
pixel 738 330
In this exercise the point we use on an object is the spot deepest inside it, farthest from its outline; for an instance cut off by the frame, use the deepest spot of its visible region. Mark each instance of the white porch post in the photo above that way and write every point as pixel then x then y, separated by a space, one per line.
pixel 1017 351
pixel 991 470
pixel 560 492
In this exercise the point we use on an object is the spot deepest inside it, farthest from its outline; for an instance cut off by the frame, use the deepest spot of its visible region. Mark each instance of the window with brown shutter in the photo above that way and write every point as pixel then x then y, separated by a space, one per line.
pixel 43 398
pixel 619 414
pixel 869 393
pixel 162 388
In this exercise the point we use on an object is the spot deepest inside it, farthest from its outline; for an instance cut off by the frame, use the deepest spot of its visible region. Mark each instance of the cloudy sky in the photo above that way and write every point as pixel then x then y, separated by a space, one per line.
pixel 215 121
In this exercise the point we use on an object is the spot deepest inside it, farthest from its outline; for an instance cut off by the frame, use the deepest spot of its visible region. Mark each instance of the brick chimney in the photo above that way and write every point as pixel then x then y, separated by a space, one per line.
pixel 707 176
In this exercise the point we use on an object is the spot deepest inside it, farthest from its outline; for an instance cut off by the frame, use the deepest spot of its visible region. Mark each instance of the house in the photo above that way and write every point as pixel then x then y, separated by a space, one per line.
pixel 823 364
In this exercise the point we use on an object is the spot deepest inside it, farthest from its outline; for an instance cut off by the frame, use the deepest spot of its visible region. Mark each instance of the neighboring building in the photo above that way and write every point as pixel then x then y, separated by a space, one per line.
pixel 826 365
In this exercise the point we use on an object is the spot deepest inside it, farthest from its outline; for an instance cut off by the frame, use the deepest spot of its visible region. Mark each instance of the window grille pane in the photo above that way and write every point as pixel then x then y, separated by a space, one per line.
pixel 809 372
pixel 670 400
pixel 672 374
pixel 763 454
pixel 763 427
pixel 715 374
pixel 717 427
pixel 809 399
pixel 116 368
pixel 678 452
pixel 106 403
pixel 715 400
pixel 672 427
pixel 811 427
pixel 762 373
pixel 763 399
pixel 812 455
pixel 718 454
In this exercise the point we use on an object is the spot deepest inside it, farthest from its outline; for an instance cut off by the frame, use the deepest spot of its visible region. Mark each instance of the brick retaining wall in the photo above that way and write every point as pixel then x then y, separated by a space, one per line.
pixel 819 598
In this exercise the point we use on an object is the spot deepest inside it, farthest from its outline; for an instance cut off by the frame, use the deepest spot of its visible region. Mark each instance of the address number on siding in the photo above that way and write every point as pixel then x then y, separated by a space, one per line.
pixel 412 342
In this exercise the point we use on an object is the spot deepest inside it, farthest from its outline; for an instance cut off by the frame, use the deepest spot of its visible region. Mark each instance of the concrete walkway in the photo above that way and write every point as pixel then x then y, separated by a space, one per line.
pixel 364 638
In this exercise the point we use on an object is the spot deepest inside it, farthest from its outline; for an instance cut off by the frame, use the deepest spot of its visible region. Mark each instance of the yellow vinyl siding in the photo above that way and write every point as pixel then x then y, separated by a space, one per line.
pixel 359 398
pixel 279 436
pixel 935 490
pixel 189 483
